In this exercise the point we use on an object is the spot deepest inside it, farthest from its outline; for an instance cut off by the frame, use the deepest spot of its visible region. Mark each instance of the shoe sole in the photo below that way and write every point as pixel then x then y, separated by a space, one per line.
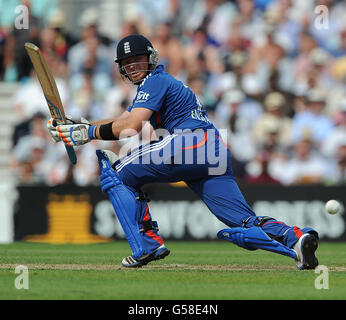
pixel 309 247
pixel 159 256
pixel 154 256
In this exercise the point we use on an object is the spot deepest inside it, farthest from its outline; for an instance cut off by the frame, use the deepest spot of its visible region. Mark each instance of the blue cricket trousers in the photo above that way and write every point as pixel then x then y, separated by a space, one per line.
pixel 203 161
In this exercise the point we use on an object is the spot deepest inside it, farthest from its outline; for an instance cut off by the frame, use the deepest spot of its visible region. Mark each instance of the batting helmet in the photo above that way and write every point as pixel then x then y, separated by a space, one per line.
pixel 134 45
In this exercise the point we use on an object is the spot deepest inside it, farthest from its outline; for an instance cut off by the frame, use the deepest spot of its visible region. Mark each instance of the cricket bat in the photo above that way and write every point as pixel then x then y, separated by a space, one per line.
pixel 50 90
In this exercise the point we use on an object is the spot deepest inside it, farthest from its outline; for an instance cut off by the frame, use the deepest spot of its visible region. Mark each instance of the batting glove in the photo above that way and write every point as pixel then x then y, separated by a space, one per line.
pixel 73 133
pixel 51 126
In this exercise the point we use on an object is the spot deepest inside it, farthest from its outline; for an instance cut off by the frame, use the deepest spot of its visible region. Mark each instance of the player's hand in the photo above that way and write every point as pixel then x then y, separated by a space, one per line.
pixel 52 124
pixel 73 133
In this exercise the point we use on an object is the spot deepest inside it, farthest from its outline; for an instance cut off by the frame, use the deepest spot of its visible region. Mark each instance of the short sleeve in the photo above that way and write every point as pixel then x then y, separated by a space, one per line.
pixel 151 94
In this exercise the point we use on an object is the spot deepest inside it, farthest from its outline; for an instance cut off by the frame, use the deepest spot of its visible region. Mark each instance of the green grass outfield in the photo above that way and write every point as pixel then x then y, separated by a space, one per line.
pixel 193 271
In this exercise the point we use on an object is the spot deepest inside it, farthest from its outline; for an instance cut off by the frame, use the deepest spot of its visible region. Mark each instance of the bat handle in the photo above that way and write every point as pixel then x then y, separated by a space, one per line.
pixel 71 154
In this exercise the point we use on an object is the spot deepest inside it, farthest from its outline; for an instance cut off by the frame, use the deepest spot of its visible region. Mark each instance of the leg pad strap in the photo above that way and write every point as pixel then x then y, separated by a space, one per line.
pixel 148 225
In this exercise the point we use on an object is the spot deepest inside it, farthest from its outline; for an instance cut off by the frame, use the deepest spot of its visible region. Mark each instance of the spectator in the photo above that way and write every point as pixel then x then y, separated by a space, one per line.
pixel 211 16
pixel 118 97
pixel 169 48
pixel 220 79
pixel 236 43
pixel 29 99
pixel 336 174
pixel 331 38
pixel 337 136
pixel 258 172
pixel 194 55
pixel 28 162
pixel 90 86
pixel 3 36
pixel 273 119
pixel 301 63
pixel 287 28
pixel 270 154
pixel 250 20
pixel 313 120
pixel 127 28
pixel 306 166
pixel 218 20
pixel 158 12
pixel 87 93
pixel 319 75
pixel 205 96
pixel 27 127
pixel 236 62
pixel 64 40
pixel 236 105
pixel 86 169
pixel 17 62
pixel 266 59
pixel 89 21
pixel 232 115
pixel 91 44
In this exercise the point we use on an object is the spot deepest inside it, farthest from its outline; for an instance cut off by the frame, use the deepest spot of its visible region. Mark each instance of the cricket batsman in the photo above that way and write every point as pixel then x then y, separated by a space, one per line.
pixel 185 146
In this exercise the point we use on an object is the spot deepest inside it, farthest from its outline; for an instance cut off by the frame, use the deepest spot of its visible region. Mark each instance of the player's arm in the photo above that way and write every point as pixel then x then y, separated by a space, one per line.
pixel 124 115
pixel 128 124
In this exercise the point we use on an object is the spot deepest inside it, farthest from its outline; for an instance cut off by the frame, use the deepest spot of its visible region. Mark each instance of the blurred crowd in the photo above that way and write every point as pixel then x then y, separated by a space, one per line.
pixel 271 73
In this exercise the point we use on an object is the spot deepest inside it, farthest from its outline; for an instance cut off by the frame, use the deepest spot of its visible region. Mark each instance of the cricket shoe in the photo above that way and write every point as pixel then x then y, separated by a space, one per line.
pixel 305 249
pixel 159 253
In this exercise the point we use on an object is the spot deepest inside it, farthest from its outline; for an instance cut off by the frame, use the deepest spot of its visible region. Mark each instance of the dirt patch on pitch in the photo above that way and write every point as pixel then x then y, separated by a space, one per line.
pixel 105 267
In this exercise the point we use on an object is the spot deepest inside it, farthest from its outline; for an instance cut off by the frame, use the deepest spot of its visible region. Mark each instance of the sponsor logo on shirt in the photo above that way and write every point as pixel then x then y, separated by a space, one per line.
pixel 142 96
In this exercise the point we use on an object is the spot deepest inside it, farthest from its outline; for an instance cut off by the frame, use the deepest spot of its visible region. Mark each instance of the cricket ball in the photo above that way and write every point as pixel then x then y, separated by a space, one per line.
pixel 332 206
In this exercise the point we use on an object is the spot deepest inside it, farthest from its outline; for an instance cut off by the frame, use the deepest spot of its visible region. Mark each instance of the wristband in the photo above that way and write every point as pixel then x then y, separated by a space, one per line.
pixel 91 132
pixel 106 132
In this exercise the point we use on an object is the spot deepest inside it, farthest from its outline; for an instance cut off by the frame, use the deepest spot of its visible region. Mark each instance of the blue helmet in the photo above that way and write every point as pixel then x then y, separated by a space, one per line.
pixel 134 45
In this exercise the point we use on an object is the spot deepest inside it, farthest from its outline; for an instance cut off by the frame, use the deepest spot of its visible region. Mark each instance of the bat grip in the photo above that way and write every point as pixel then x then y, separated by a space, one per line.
pixel 71 154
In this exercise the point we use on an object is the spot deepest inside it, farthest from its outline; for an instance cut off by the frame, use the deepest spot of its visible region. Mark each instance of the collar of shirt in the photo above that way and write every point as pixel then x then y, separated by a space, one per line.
pixel 158 69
